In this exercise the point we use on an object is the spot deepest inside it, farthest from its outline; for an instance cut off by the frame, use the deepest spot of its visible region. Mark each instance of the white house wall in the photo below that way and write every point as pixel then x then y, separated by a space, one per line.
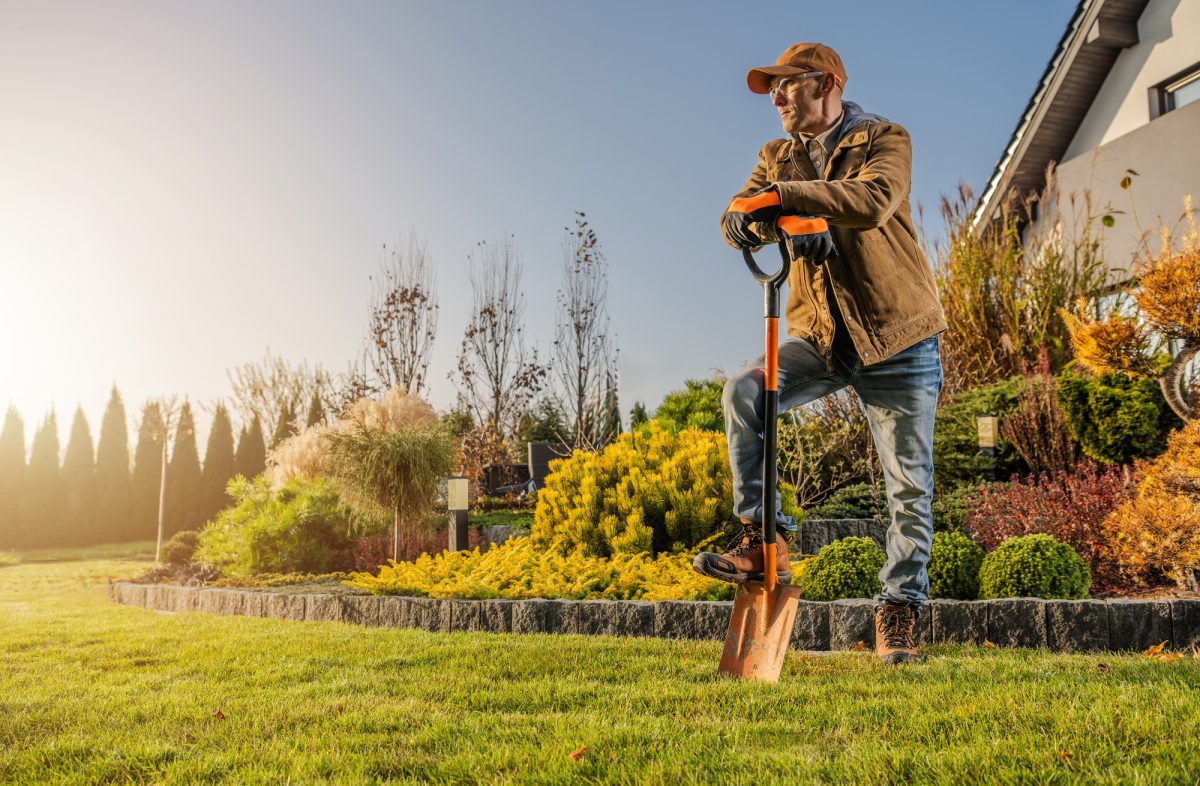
pixel 1169 42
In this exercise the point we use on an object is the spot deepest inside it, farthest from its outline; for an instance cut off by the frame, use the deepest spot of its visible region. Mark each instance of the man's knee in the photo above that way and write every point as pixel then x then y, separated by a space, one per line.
pixel 742 390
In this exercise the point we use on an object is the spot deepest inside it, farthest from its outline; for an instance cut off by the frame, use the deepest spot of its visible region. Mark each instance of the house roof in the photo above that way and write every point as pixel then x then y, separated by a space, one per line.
pixel 1096 34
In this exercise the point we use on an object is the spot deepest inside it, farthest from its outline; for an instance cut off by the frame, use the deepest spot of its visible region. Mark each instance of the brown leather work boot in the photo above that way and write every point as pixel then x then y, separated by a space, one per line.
pixel 743 558
pixel 894 626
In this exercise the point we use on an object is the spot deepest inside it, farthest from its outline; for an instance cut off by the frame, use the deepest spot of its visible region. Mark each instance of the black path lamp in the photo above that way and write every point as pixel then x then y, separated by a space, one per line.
pixel 457 500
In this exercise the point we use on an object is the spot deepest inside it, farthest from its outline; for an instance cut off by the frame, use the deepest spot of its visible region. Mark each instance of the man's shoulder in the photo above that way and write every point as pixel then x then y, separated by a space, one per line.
pixel 774 149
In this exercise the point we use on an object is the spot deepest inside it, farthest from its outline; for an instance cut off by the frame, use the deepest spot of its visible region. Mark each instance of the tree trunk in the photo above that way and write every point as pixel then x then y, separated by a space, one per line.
pixel 1169 381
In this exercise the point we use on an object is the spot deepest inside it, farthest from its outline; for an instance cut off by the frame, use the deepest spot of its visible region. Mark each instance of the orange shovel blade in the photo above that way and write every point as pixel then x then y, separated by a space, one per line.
pixel 759 631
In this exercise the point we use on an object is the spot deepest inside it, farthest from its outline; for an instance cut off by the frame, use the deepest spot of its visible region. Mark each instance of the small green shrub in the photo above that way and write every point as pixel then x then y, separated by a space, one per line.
pixel 787 501
pixel 956 458
pixel 950 508
pixel 856 501
pixel 179 549
pixel 1116 417
pixel 302 528
pixel 1034 566
pixel 650 491
pixel 846 568
pixel 954 563
pixel 698 405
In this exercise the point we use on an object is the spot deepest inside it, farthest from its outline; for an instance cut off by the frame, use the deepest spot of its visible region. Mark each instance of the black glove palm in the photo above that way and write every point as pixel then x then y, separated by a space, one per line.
pixel 760 207
pixel 816 247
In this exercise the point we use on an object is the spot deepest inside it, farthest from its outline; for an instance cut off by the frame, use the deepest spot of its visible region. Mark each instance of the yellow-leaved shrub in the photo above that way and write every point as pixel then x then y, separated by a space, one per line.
pixel 1159 529
pixel 520 568
pixel 650 491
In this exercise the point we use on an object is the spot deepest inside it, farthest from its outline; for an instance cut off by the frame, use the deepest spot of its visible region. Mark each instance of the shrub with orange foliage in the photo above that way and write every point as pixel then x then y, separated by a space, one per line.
pixel 1158 531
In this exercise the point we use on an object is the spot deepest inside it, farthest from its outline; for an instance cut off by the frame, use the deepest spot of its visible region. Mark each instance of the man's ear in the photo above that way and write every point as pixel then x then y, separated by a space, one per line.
pixel 828 82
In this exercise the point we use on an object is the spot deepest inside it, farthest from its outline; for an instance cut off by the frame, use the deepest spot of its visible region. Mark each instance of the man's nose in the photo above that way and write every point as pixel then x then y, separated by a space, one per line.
pixel 778 98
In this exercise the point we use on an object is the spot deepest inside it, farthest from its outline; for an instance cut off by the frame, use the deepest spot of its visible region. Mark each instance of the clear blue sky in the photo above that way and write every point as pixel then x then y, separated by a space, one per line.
pixel 185 184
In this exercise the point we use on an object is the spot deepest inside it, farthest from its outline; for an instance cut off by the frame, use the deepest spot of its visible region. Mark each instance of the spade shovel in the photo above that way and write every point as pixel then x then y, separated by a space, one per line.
pixel 765 611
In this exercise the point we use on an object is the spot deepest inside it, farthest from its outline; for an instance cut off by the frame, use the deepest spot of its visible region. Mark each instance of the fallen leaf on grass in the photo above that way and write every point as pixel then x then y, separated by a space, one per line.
pixel 1156 652
pixel 1103 668
pixel 219 715
pixel 1065 756
pixel 860 647
pixel 577 754
pixel 987 645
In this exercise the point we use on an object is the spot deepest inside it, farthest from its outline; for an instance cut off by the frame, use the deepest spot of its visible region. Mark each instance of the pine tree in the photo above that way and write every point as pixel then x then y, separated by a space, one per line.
pixel 147 474
pixel 40 505
pixel 251 458
pixel 316 412
pixel 638 415
pixel 113 482
pixel 612 411
pixel 218 465
pixel 184 489
pixel 286 425
pixel 79 485
pixel 12 477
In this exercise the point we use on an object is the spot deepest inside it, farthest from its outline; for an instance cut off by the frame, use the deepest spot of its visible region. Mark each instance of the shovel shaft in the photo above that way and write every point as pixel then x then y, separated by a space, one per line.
pixel 770 415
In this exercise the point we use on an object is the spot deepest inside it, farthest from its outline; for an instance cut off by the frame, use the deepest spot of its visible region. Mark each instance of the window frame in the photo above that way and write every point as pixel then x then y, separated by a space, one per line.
pixel 1162 95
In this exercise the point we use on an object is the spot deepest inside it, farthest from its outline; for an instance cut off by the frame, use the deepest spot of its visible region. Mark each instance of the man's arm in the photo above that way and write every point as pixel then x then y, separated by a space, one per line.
pixel 757 182
pixel 864 201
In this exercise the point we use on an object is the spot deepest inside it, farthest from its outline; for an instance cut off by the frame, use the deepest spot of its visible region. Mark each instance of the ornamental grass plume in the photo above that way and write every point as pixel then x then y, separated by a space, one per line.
pixel 301 455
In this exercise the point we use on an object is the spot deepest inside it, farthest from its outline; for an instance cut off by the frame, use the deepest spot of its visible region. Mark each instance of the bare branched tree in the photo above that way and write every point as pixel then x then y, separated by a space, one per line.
pixel 272 385
pixel 585 355
pixel 403 317
pixel 498 376
pixel 351 385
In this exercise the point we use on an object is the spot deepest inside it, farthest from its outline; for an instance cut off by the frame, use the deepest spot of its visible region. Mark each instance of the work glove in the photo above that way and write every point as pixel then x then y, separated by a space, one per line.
pixel 761 207
pixel 816 247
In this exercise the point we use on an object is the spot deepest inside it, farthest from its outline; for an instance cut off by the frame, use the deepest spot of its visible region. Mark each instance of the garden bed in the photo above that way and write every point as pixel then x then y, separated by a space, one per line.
pixel 1058 625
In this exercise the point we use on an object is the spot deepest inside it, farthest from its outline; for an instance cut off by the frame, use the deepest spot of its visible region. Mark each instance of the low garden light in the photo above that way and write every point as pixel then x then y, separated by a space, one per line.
pixel 989 438
pixel 457 503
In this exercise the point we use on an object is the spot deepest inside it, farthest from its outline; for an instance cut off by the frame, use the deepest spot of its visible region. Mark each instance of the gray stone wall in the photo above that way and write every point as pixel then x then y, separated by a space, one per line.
pixel 1060 625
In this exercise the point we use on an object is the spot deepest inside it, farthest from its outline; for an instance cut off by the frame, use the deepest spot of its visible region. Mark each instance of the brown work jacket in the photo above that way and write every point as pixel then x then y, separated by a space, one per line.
pixel 883 285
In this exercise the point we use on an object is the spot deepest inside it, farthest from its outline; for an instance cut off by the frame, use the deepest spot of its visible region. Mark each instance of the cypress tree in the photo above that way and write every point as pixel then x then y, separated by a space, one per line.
pixel 612 412
pixel 218 464
pixel 286 425
pixel 113 482
pixel 79 485
pixel 40 504
pixel 316 412
pixel 251 458
pixel 147 474
pixel 184 489
pixel 12 477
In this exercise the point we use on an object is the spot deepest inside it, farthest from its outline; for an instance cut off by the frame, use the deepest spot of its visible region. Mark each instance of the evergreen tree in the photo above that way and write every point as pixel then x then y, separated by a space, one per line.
pixel 218 464
pixel 638 415
pixel 40 504
pixel 316 412
pixel 286 425
pixel 79 485
pixel 113 482
pixel 612 412
pixel 251 458
pixel 12 477
pixel 184 488
pixel 147 474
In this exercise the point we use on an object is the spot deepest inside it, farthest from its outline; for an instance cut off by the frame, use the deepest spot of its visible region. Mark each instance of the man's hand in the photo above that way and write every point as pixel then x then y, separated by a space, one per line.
pixel 808 238
pixel 761 207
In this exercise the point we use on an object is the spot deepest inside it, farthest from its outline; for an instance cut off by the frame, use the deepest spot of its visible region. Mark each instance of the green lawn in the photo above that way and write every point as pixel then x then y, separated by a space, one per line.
pixel 91 692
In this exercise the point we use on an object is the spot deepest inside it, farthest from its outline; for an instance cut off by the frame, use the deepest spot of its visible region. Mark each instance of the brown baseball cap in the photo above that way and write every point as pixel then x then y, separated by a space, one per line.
pixel 797 59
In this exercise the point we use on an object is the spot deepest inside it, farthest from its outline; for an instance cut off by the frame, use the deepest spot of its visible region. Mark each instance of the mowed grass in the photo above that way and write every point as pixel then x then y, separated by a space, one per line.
pixel 92 692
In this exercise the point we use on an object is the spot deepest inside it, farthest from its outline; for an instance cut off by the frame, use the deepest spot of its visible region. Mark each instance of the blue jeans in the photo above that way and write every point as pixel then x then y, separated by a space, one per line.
pixel 899 396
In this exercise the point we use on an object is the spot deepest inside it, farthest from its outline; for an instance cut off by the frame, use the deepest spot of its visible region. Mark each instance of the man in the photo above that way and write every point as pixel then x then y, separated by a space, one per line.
pixel 867 317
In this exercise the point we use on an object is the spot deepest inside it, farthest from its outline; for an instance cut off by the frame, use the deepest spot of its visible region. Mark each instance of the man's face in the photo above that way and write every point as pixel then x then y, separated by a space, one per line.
pixel 798 99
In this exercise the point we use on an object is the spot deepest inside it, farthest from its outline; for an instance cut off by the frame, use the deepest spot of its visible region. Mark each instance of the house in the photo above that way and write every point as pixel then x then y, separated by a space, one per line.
pixel 1120 96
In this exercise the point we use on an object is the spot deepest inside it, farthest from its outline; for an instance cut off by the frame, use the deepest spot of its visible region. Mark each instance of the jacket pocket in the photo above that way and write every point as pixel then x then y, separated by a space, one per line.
pixel 892 287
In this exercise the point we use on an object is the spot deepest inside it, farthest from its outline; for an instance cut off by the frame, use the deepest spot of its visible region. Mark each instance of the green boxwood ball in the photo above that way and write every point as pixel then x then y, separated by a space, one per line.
pixel 1034 566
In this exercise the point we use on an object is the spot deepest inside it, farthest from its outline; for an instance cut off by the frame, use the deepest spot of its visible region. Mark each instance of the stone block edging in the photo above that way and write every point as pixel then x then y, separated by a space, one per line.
pixel 1058 625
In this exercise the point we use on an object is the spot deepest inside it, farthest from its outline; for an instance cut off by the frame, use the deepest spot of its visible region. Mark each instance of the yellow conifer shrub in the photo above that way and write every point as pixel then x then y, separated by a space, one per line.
pixel 650 491
pixel 521 569
pixel 1159 529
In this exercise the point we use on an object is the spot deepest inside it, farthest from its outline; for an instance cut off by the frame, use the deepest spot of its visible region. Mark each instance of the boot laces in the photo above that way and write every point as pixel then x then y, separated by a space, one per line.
pixel 896 622
pixel 750 538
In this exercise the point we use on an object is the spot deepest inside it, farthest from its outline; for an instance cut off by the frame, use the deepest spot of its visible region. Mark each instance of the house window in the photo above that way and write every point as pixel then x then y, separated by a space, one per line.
pixel 1178 91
